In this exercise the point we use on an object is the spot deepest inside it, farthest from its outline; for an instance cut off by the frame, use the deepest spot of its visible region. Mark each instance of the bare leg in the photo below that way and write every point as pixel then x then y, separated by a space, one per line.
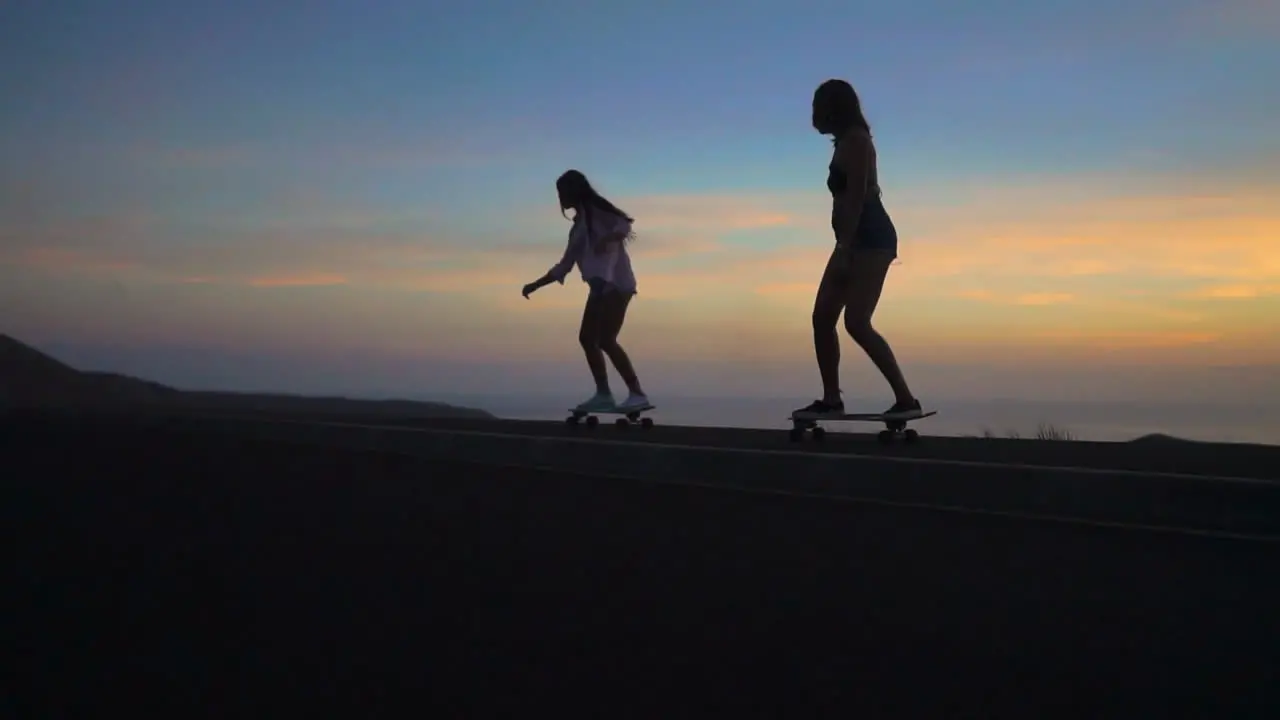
pixel 589 338
pixel 622 364
pixel 866 282
pixel 826 313
pixel 613 313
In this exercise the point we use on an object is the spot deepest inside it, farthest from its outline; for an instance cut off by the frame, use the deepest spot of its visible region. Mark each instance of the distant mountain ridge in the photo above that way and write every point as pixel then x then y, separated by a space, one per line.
pixel 30 379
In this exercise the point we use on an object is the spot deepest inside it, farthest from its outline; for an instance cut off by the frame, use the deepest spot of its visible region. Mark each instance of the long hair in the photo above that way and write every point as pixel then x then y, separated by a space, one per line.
pixel 575 186
pixel 840 106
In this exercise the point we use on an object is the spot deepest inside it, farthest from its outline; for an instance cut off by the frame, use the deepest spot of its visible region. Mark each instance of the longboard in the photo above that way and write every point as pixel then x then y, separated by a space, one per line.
pixel 628 417
pixel 894 427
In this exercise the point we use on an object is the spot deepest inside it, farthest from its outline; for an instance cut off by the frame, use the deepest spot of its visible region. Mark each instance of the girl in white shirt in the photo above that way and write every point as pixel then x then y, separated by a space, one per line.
pixel 597 245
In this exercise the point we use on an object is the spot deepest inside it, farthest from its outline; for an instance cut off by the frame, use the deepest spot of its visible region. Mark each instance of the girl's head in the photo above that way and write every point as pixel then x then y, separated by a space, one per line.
pixel 576 192
pixel 836 108
pixel 574 189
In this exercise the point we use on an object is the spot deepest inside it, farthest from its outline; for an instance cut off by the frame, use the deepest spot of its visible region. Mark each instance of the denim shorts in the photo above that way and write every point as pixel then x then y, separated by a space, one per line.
pixel 875 228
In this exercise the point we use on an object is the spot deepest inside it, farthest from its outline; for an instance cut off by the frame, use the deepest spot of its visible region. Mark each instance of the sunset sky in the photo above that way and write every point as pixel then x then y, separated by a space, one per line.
pixel 341 196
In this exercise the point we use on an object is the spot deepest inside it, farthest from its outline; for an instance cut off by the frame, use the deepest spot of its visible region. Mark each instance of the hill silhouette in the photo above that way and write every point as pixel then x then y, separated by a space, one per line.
pixel 33 380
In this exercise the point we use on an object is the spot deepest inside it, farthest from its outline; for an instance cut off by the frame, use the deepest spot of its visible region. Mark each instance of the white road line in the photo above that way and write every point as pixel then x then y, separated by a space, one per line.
pixel 833 497
pixel 954 509
pixel 847 457
pixel 876 502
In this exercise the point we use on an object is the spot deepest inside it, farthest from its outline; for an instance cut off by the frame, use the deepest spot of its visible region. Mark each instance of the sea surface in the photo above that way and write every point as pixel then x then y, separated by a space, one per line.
pixel 1082 421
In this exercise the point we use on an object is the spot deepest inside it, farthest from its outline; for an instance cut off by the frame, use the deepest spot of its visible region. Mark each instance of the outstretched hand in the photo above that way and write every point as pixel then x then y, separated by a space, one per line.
pixel 528 290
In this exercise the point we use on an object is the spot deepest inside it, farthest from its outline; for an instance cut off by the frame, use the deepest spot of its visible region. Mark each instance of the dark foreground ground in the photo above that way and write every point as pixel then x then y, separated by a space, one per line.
pixel 229 578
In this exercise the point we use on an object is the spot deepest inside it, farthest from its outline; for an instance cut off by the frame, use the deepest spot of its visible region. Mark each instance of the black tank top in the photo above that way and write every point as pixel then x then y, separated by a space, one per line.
pixel 838 180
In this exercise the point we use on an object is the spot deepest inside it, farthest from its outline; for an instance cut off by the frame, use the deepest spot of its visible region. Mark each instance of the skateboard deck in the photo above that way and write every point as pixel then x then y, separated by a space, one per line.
pixel 628 417
pixel 894 427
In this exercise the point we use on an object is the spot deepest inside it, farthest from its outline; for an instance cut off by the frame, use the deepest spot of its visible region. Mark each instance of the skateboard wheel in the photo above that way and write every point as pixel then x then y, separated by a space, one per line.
pixel 886 437
pixel 592 421
pixel 646 423
pixel 796 434
pixel 819 434
pixel 911 436
pixel 621 423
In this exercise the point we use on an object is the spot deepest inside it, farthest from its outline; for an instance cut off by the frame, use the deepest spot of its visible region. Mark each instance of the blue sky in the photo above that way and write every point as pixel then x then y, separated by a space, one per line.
pixel 150 145
pixel 684 95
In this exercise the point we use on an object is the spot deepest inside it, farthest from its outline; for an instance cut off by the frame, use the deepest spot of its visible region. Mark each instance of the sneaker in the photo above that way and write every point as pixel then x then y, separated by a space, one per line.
pixel 820 407
pixel 600 402
pixel 635 402
pixel 904 411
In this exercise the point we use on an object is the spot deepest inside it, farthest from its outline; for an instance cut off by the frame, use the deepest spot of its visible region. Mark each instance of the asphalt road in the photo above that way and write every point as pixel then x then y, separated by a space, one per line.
pixel 1156 455
pixel 223 576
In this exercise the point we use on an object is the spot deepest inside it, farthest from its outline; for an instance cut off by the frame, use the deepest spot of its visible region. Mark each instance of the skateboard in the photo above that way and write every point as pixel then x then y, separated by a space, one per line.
pixel 893 428
pixel 628 418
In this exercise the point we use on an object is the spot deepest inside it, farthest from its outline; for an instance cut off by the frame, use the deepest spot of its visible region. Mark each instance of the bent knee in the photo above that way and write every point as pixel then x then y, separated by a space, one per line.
pixel 589 340
pixel 859 329
pixel 609 345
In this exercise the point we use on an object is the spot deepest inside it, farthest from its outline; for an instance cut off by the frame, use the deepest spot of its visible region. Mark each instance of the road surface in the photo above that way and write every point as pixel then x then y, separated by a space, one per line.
pixel 221 576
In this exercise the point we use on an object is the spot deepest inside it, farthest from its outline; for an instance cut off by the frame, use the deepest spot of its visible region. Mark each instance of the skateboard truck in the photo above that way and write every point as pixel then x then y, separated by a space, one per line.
pixel 627 419
pixel 894 428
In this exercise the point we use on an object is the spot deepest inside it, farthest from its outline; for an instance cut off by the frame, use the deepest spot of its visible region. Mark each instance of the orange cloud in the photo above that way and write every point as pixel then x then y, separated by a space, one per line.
pixel 791 288
pixel 1236 292
pixel 316 280
pixel 1127 339
pixel 670 246
pixel 1100 264
pixel 1136 238
pixel 462 280
pixel 714 213
pixel 1002 237
pixel 1044 298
